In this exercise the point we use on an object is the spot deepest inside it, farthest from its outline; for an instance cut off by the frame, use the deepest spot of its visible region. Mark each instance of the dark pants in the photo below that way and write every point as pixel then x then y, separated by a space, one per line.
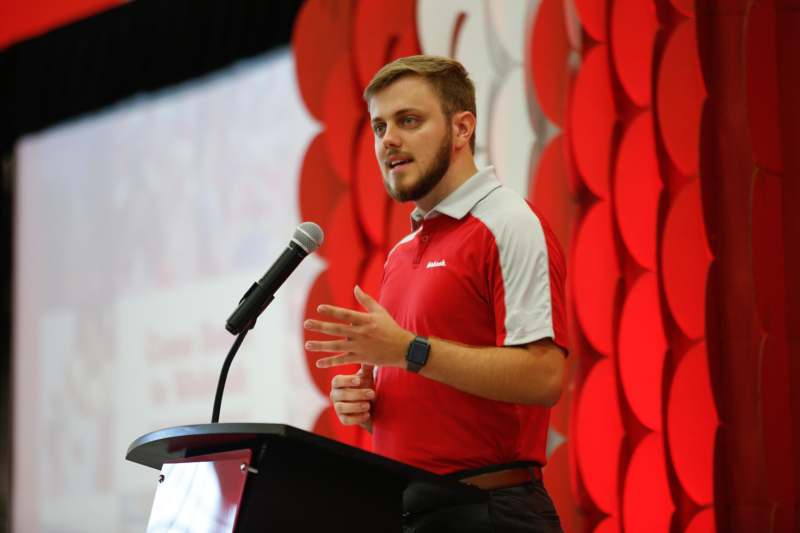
pixel 526 508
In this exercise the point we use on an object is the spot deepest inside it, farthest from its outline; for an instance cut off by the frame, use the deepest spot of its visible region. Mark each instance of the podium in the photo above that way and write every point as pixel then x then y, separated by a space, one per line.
pixel 247 478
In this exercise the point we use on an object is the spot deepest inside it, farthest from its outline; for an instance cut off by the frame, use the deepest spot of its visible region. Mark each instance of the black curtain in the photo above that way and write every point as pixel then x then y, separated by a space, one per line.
pixel 141 46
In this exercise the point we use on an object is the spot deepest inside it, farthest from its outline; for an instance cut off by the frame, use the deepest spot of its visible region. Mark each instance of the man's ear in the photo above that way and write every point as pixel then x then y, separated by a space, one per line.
pixel 463 128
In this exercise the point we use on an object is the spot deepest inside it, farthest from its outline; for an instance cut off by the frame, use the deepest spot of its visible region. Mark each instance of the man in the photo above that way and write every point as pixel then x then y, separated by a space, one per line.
pixel 468 335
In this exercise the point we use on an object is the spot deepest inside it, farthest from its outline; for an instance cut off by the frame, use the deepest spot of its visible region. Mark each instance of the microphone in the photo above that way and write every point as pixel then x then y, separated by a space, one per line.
pixel 307 238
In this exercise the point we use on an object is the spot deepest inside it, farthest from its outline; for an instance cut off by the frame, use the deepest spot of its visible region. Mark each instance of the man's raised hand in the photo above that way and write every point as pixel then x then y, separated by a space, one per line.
pixel 370 337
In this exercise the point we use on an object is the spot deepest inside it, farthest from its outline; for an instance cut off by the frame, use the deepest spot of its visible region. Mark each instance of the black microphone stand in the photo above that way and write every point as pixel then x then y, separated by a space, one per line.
pixel 223 375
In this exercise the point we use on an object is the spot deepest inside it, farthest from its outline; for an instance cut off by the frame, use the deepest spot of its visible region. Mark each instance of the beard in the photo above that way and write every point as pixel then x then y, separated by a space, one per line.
pixel 430 177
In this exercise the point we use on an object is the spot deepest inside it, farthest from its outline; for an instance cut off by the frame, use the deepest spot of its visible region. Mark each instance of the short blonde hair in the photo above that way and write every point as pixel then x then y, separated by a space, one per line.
pixel 449 79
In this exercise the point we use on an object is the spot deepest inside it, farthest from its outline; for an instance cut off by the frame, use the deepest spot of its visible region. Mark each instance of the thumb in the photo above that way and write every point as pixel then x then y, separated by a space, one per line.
pixel 366 372
pixel 367 302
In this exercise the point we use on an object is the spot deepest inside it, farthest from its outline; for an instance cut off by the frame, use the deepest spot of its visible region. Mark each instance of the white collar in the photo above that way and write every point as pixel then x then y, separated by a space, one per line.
pixel 461 201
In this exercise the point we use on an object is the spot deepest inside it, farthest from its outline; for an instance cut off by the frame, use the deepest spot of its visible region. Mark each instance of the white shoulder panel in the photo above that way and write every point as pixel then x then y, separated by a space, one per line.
pixel 522 249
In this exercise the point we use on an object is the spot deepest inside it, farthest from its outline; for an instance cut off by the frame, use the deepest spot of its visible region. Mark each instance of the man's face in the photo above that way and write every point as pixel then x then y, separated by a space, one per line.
pixel 413 141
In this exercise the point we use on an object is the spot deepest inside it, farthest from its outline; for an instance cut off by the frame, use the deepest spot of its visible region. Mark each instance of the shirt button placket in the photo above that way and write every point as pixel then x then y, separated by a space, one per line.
pixel 424 239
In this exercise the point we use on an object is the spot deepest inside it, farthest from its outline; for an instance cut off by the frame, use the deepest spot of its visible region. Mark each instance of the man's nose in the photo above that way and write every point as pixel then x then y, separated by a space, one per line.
pixel 391 137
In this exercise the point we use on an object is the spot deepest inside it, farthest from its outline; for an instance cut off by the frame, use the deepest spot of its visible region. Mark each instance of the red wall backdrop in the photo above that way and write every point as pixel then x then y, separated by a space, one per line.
pixel 672 181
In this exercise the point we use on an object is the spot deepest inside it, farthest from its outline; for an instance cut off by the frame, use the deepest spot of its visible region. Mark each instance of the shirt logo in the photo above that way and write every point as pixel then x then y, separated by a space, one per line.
pixel 434 264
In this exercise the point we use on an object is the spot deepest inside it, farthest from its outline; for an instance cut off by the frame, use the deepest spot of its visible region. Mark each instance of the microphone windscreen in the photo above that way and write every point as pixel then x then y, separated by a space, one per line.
pixel 308 236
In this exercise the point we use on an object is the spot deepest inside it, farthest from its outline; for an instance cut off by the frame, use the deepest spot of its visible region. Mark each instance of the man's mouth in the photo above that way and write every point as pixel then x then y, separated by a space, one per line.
pixel 398 164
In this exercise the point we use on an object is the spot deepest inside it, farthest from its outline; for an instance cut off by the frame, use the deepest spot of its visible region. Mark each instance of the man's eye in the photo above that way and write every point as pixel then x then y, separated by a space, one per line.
pixel 409 121
pixel 379 129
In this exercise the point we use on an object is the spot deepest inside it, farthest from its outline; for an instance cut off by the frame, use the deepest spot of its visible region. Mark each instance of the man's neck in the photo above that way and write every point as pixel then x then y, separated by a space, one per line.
pixel 461 169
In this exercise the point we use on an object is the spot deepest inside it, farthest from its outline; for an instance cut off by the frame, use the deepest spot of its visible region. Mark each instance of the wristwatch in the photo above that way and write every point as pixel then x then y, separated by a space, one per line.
pixel 417 354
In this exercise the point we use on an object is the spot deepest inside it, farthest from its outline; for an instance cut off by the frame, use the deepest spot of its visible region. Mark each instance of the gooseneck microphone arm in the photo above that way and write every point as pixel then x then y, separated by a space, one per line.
pixel 223 375
pixel 307 238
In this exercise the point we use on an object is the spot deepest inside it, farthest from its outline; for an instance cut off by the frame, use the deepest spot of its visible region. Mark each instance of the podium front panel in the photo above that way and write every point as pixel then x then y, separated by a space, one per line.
pixel 202 494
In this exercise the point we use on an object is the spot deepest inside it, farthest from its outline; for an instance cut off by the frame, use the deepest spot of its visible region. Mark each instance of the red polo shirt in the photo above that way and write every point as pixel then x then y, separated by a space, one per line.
pixel 481 269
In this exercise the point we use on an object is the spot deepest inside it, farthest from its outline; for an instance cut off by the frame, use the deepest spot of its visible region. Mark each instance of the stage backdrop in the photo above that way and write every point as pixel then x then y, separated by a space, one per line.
pixel 648 134
pixel 657 136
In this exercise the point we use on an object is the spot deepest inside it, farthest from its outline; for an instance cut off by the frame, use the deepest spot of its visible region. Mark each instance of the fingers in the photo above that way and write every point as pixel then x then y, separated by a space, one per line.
pixel 339 345
pixel 352 420
pixel 352 404
pixel 329 328
pixel 345 315
pixel 351 408
pixel 352 395
pixel 351 413
pixel 353 387
pixel 336 360
pixel 346 381
pixel 344 391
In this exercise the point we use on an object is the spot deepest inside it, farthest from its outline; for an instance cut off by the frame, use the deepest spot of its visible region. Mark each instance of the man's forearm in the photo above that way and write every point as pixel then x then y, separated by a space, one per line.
pixel 529 374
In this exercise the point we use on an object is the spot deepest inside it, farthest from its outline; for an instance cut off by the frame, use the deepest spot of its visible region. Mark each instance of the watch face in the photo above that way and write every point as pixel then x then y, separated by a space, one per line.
pixel 418 352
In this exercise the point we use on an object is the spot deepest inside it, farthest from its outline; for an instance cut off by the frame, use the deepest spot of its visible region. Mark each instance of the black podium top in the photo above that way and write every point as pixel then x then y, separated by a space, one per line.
pixel 164 445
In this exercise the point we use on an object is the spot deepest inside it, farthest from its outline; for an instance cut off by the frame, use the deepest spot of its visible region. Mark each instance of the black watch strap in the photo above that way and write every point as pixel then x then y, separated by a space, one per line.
pixel 417 354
